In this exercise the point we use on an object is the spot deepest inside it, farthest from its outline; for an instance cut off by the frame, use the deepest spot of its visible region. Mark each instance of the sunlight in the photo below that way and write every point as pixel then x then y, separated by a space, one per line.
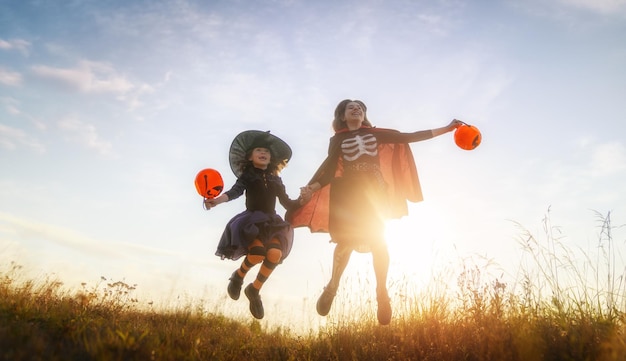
pixel 415 244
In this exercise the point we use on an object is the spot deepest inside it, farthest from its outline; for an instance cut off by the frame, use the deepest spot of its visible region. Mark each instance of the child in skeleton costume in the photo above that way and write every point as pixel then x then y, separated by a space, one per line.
pixel 259 232
pixel 368 177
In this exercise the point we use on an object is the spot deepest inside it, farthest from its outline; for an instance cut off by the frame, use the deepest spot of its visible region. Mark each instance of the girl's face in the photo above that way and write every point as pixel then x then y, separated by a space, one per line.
pixel 354 115
pixel 260 157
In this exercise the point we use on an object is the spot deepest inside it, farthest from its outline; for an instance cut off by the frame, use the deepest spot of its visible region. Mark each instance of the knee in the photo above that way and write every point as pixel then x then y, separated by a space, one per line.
pixel 343 251
pixel 274 255
pixel 256 255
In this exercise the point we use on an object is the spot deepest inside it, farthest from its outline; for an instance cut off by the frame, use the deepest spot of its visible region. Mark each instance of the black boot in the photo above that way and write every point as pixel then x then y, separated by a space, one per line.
pixel 256 306
pixel 234 286
pixel 325 301
pixel 384 308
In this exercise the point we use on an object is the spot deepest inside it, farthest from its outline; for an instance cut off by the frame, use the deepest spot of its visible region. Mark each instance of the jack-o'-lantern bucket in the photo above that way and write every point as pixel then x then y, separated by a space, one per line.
pixel 209 183
pixel 467 137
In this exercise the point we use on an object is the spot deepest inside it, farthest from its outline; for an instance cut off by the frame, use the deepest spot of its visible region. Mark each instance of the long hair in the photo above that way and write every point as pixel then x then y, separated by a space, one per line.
pixel 339 121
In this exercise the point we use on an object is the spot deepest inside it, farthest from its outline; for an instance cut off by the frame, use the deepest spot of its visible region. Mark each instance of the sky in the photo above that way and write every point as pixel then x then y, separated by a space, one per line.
pixel 108 109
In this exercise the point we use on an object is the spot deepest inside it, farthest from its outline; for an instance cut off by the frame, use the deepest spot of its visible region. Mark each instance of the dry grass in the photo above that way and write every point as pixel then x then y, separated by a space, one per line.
pixel 558 308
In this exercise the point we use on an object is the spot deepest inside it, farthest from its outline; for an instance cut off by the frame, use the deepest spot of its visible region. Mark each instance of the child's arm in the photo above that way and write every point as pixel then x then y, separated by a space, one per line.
pixel 212 202
pixel 392 136
pixel 235 192
pixel 284 199
pixel 448 128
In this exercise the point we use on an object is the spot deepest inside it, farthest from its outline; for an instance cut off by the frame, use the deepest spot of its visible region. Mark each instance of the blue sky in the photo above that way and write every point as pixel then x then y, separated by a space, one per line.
pixel 108 109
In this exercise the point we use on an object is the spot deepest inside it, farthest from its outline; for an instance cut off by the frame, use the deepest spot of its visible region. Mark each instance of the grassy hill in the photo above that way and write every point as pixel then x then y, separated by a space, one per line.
pixel 542 318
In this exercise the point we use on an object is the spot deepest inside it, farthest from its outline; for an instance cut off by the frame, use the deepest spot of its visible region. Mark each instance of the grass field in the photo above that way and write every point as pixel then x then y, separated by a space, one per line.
pixel 564 305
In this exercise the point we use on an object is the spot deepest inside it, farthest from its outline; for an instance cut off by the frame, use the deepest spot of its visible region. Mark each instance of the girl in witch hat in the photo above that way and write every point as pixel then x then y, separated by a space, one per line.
pixel 259 233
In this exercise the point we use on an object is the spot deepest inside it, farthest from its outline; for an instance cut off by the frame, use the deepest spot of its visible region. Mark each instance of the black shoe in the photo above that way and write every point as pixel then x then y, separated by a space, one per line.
pixel 384 309
pixel 234 286
pixel 325 301
pixel 256 306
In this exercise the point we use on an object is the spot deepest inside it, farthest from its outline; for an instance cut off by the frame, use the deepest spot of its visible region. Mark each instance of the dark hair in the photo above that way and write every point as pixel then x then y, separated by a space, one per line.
pixel 275 166
pixel 339 123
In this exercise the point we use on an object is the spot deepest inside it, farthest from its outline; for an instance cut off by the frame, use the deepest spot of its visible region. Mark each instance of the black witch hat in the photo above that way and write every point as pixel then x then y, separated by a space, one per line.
pixel 250 139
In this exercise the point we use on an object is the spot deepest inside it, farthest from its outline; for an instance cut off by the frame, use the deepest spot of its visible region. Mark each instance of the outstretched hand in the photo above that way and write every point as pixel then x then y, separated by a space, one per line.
pixel 455 123
pixel 212 202
pixel 209 203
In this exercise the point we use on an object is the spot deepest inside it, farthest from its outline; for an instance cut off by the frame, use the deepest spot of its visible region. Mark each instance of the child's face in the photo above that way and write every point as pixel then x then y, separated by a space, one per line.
pixel 354 113
pixel 260 157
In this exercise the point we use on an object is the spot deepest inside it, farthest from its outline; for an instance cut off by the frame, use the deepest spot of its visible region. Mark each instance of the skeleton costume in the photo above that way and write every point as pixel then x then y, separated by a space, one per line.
pixel 368 176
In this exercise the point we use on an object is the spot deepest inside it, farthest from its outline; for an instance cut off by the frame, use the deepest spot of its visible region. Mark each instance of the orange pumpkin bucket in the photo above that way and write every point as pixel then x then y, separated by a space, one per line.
pixel 467 137
pixel 209 183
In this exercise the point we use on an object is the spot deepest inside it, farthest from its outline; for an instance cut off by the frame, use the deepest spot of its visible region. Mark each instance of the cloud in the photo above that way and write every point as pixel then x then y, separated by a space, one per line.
pixel 90 77
pixel 10 105
pixel 26 229
pixel 12 138
pixel 85 134
pixel 87 77
pixel 10 78
pixel 20 45
pixel 599 6
pixel 574 14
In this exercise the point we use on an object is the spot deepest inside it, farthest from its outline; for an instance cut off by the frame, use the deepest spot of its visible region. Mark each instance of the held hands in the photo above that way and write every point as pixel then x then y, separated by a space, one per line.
pixel 307 192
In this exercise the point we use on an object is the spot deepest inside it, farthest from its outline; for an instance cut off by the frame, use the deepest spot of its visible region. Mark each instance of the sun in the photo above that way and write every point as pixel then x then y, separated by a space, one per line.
pixel 414 244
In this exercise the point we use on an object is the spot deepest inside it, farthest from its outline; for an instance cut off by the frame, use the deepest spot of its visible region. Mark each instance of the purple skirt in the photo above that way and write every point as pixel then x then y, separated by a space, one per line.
pixel 247 226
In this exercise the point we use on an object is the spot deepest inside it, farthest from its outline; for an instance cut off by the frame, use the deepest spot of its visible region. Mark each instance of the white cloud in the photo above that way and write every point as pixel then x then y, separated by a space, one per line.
pixel 27 229
pixel 91 77
pixel 599 6
pixel 87 77
pixel 20 45
pixel 10 78
pixel 85 134
pixel 10 105
pixel 11 138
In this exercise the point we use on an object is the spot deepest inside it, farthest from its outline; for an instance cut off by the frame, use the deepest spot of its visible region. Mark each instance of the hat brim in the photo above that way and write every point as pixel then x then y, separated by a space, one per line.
pixel 245 140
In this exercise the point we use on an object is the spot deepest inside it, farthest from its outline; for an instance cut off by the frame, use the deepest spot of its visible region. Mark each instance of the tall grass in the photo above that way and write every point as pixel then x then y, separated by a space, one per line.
pixel 563 304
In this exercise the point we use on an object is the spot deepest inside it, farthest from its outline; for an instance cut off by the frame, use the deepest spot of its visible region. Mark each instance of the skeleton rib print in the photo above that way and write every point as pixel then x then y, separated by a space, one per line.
pixel 353 148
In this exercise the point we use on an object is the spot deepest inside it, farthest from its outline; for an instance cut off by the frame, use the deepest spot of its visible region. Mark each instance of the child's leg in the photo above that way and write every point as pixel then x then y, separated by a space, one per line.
pixel 340 261
pixel 273 255
pixel 256 255
pixel 272 258
pixel 341 256
pixel 380 258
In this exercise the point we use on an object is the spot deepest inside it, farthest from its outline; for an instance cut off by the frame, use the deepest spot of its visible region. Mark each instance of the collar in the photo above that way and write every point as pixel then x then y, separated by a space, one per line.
pixel 345 130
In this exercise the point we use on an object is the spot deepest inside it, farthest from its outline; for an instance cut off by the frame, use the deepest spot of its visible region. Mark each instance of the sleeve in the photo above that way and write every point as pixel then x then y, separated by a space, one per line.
pixel 393 136
pixel 237 189
pixel 288 203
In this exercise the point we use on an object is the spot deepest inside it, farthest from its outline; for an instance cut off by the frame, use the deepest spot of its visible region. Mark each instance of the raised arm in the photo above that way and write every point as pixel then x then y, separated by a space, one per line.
pixel 455 123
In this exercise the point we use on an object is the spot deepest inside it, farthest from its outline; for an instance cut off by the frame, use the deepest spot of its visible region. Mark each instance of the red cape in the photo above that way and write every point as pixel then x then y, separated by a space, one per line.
pixel 398 169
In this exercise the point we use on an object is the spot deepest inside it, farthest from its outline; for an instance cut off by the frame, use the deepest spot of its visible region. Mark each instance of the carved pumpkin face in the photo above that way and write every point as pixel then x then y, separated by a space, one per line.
pixel 209 183
pixel 467 137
